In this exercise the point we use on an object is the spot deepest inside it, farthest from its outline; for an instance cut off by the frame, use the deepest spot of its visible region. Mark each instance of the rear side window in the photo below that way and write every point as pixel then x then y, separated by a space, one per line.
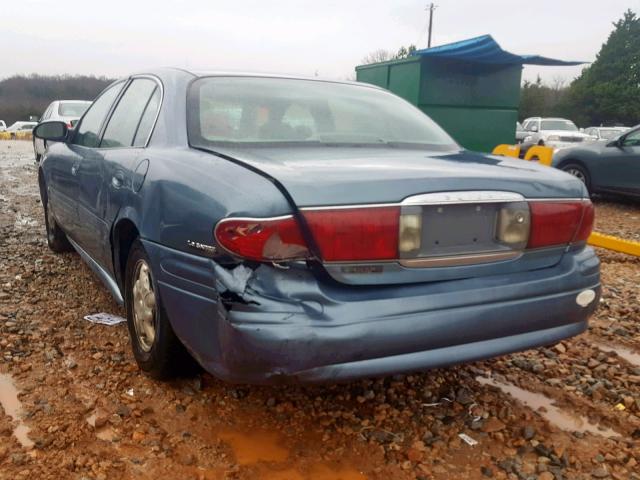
pixel 124 122
pixel 88 132
pixel 148 120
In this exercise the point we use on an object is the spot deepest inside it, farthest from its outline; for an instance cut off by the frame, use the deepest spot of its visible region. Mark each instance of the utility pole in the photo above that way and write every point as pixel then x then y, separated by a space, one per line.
pixel 431 8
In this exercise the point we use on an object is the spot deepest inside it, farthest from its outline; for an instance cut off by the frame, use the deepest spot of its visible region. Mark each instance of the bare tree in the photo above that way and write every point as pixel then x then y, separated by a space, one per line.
pixel 380 55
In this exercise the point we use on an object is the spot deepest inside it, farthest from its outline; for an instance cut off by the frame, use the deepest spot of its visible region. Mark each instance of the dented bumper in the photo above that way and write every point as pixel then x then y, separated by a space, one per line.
pixel 271 325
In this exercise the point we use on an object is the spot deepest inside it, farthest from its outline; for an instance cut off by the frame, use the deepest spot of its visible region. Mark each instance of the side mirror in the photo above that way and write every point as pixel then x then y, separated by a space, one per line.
pixel 534 128
pixel 54 131
pixel 616 142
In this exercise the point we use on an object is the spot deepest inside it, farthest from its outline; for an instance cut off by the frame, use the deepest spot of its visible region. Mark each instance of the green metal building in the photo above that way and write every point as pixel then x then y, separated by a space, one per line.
pixel 471 88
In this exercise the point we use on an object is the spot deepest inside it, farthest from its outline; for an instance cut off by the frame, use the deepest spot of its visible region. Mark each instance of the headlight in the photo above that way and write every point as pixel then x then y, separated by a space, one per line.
pixel 553 138
pixel 514 222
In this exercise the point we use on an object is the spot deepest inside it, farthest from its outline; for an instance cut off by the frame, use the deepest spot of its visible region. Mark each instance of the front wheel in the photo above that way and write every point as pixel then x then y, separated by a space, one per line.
pixel 156 348
pixel 579 172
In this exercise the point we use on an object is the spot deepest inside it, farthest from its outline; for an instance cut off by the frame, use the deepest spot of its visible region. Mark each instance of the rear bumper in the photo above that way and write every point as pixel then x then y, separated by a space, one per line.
pixel 285 325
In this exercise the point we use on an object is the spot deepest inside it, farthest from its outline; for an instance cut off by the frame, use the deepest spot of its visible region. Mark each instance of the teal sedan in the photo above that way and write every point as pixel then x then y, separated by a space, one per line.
pixel 605 167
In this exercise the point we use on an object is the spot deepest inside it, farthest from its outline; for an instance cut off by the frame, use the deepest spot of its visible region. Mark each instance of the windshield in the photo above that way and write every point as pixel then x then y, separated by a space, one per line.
pixel 72 109
pixel 558 125
pixel 258 110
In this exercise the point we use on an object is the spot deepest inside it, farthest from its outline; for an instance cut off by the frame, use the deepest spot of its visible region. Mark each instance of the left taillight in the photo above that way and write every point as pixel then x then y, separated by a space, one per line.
pixel 262 239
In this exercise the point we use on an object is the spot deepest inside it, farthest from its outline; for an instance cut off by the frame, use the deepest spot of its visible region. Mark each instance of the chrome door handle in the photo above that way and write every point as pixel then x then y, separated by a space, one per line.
pixel 74 169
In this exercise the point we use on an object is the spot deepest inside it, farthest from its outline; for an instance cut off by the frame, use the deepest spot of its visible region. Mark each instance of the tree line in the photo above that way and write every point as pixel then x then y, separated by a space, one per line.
pixel 24 96
pixel 607 92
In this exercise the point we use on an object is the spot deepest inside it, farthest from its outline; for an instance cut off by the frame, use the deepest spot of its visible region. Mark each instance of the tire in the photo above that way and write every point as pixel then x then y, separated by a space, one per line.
pixel 35 151
pixel 56 238
pixel 579 172
pixel 156 348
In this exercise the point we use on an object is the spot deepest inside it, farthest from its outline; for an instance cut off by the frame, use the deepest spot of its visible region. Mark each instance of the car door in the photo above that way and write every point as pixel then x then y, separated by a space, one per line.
pixel 66 158
pixel 105 172
pixel 619 168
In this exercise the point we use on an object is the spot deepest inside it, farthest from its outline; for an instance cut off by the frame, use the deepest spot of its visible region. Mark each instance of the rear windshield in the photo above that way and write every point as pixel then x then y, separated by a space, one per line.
pixel 558 125
pixel 257 110
pixel 75 109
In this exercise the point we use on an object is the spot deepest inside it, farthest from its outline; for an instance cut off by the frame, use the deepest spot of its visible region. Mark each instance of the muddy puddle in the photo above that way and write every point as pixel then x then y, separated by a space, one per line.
pixel 266 450
pixel 625 353
pixel 12 407
pixel 543 405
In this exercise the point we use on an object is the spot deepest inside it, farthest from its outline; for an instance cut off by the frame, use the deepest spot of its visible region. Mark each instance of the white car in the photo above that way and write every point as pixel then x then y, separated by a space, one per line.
pixel 20 127
pixel 553 132
pixel 3 126
pixel 68 111
pixel 605 133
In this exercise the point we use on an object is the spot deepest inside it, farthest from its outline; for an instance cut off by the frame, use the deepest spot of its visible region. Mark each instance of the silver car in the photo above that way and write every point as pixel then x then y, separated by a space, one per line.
pixel 68 111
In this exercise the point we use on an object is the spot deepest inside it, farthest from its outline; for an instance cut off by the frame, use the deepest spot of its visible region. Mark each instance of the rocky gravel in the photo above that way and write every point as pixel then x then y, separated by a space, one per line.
pixel 74 405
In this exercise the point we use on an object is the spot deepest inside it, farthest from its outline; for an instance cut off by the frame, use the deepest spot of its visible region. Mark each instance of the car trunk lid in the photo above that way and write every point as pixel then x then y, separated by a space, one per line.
pixel 457 196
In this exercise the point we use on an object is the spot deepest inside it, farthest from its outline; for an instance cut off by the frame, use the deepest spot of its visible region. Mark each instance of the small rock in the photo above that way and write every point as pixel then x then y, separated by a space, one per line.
pixel 600 472
pixel 492 424
pixel 528 432
pixel 486 471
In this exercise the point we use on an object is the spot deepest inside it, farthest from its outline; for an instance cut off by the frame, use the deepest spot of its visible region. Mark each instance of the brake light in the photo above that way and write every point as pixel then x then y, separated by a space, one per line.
pixel 262 239
pixel 560 222
pixel 355 234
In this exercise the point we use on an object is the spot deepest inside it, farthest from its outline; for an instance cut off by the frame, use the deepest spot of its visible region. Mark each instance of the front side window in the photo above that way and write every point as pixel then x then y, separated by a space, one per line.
pixel 88 132
pixel 632 139
pixel 271 111
pixel 124 122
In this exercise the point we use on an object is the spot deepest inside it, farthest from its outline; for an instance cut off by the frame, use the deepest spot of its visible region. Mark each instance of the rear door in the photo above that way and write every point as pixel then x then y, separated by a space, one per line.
pixel 104 174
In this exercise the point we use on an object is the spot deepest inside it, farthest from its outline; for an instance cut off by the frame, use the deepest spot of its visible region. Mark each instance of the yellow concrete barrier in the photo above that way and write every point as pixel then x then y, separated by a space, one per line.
pixel 614 243
pixel 544 155
pixel 507 150
pixel 5 136
pixel 24 135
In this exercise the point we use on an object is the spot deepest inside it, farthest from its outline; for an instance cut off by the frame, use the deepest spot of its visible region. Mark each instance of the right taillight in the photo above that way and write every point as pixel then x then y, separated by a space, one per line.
pixel 559 222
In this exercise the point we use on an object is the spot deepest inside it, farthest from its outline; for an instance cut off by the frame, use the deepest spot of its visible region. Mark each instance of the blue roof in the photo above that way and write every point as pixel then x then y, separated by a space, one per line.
pixel 485 49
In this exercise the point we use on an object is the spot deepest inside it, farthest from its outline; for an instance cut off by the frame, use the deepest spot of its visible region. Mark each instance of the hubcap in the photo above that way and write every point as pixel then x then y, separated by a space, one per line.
pixel 577 173
pixel 144 306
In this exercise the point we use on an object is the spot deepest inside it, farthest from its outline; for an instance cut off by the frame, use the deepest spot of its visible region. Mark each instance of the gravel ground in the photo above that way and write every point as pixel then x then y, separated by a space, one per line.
pixel 74 404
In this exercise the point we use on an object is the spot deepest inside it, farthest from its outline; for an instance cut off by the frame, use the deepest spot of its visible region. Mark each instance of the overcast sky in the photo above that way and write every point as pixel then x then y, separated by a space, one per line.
pixel 116 37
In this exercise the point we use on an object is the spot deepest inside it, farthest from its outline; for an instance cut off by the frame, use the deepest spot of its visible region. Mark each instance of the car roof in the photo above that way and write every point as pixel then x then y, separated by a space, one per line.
pixel 199 73
pixel 73 101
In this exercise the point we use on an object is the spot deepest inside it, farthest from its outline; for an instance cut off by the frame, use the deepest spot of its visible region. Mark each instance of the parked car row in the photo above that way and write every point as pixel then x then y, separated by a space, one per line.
pixel 16 127
pixel 560 132
pixel 608 166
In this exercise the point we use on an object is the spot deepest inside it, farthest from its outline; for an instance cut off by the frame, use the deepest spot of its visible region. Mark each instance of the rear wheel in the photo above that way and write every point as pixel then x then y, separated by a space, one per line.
pixel 56 238
pixel 156 348
pixel 579 172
